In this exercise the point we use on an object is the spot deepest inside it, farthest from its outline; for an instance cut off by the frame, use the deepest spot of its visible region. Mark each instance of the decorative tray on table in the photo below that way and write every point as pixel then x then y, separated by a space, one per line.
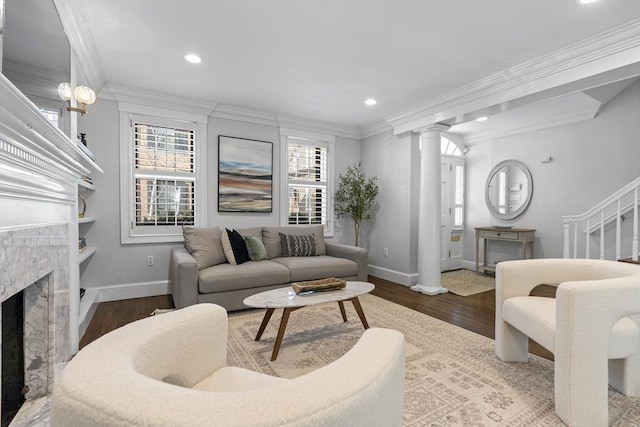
pixel 330 284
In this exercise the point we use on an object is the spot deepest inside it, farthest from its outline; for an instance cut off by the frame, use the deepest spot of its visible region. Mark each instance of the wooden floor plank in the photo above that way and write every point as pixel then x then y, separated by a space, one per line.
pixel 474 312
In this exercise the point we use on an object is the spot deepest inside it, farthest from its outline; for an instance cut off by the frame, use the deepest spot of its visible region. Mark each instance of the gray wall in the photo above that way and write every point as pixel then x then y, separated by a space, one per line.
pixel 591 160
pixel 116 264
pixel 395 161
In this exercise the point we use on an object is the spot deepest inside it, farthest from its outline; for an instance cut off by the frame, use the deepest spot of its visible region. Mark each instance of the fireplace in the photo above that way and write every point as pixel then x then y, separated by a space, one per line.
pixel 36 281
pixel 13 385
pixel 40 169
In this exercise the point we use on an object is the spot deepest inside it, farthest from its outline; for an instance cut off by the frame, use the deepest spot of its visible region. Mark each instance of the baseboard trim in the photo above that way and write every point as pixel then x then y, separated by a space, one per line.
pixel 96 295
pixel 399 277
pixel 469 265
pixel 133 290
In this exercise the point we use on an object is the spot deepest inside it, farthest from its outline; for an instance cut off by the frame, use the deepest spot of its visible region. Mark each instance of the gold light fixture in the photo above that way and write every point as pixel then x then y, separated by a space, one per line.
pixel 83 95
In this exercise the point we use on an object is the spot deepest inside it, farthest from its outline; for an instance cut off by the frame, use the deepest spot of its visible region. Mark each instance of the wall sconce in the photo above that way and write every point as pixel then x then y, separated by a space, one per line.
pixel 83 95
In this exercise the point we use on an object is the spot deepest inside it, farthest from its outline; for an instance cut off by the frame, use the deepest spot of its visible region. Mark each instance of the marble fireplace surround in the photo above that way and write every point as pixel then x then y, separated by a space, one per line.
pixel 36 259
pixel 40 168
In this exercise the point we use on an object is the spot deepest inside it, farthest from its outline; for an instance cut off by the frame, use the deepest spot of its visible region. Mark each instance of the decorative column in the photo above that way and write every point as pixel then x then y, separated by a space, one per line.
pixel 429 227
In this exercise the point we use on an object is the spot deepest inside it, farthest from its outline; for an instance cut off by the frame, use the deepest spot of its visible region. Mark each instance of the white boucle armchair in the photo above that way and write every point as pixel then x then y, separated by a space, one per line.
pixel 594 321
pixel 170 370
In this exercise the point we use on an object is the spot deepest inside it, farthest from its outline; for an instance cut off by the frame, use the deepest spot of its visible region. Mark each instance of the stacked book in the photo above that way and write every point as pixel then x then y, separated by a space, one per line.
pixel 82 244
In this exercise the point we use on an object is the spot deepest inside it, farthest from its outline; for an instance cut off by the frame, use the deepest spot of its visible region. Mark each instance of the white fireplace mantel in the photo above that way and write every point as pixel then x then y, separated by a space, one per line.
pixel 40 168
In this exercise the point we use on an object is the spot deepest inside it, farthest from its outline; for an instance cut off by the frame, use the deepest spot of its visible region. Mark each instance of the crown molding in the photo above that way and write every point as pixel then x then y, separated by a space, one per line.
pixel 477 138
pixel 604 52
pixel 241 114
pixel 309 125
pixel 132 95
pixel 83 48
pixel 375 129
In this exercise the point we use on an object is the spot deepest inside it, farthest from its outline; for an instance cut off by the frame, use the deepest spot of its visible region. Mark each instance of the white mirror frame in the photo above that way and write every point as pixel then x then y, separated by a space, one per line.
pixel 525 205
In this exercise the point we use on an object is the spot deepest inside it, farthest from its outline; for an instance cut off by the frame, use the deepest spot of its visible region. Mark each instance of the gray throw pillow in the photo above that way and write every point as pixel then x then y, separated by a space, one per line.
pixel 204 245
pixel 298 245
pixel 255 247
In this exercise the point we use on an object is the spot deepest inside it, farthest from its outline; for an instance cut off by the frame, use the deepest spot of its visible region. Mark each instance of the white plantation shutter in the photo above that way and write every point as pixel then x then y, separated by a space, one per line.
pixel 307 179
pixel 164 176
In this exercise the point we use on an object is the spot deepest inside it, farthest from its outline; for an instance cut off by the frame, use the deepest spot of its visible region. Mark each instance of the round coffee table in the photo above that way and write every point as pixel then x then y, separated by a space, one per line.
pixel 288 300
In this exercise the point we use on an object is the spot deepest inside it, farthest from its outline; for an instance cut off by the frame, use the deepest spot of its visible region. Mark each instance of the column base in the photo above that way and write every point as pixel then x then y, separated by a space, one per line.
pixel 429 290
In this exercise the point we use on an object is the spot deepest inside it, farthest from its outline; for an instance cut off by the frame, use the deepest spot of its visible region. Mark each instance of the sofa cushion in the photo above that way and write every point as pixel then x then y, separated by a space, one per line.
pixel 235 249
pixel 298 244
pixel 251 231
pixel 251 274
pixel 204 245
pixel 318 267
pixel 255 247
pixel 271 238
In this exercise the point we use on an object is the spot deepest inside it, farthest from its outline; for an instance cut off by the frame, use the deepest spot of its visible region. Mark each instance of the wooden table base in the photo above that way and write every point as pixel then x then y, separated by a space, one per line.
pixel 285 320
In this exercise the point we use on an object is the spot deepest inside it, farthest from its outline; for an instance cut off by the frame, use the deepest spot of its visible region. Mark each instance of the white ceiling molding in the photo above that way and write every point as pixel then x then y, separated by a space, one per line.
pixel 79 35
pixel 131 95
pixel 241 114
pixel 375 129
pixel 613 49
pixel 298 123
pixel 477 138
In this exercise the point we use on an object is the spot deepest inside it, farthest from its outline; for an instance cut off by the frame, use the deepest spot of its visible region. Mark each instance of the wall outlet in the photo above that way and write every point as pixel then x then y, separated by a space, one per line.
pixel 386 251
pixel 150 260
pixel 521 252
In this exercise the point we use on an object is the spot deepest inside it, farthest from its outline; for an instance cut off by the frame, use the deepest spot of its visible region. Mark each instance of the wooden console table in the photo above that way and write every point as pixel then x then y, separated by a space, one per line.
pixel 520 235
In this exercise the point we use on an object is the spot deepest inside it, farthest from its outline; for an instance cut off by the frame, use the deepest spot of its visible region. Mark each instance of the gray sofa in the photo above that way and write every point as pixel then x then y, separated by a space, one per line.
pixel 199 272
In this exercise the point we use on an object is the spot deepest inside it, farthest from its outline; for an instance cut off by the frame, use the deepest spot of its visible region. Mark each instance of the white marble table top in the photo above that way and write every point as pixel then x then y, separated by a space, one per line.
pixel 286 297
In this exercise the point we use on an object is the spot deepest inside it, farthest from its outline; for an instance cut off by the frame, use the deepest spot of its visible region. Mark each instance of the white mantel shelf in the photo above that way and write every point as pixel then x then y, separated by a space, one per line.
pixel 21 120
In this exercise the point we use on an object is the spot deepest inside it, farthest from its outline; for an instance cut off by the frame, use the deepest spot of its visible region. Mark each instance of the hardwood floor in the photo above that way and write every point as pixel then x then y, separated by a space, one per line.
pixel 474 313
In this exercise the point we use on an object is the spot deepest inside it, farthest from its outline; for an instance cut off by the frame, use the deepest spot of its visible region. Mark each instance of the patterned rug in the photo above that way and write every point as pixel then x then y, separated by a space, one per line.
pixel 467 282
pixel 453 377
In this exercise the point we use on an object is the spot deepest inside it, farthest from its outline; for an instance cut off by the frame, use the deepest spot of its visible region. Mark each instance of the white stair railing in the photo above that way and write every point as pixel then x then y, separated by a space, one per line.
pixel 595 220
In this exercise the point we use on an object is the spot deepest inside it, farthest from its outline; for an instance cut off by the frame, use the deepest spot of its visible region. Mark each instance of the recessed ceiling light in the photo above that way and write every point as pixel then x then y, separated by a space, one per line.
pixel 193 58
pixel 370 101
pixel 482 119
pixel 586 1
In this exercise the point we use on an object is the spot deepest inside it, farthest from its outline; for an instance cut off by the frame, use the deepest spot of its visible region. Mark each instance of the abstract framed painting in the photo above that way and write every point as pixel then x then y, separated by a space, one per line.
pixel 245 175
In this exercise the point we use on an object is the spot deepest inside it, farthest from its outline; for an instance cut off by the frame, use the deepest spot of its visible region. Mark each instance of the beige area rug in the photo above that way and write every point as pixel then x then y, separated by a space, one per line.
pixel 453 377
pixel 467 282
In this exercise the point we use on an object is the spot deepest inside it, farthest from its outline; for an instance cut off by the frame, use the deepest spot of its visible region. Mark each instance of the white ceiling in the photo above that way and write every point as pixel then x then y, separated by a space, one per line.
pixel 319 60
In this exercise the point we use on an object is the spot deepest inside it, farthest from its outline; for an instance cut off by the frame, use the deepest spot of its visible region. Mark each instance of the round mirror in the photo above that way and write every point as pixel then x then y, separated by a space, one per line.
pixel 509 189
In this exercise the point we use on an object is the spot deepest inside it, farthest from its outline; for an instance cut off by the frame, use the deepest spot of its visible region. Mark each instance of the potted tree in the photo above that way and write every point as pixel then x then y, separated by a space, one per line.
pixel 356 196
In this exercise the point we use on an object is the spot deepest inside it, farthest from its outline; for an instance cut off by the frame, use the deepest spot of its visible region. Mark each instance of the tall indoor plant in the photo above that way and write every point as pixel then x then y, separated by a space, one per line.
pixel 356 196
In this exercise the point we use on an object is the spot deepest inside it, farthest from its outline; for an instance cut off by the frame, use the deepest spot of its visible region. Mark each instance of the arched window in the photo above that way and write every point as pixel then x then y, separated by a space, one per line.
pixel 449 148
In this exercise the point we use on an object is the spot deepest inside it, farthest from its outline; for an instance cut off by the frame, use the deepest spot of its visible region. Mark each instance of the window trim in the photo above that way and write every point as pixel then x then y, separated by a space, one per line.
pixel 330 140
pixel 127 176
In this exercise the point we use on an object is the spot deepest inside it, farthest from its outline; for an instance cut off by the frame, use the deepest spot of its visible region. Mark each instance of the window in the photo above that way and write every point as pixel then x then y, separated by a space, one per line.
pixel 308 185
pixel 160 191
pixel 449 148
pixel 164 173
pixel 458 197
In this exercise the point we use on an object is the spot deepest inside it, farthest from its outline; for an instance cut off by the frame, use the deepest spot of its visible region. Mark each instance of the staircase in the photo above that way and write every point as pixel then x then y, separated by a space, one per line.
pixel 597 226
